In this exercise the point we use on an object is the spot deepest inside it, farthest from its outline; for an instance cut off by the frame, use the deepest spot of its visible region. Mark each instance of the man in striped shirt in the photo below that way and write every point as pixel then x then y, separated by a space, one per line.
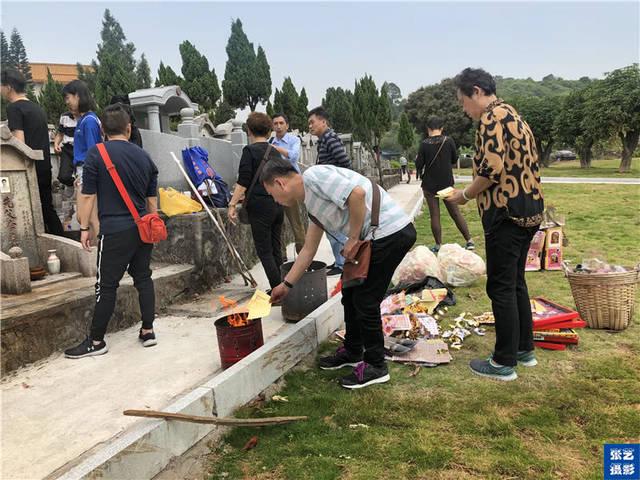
pixel 341 200
pixel 331 151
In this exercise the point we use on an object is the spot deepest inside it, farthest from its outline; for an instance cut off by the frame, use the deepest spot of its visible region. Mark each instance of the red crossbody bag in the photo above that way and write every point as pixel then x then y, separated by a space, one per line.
pixel 151 227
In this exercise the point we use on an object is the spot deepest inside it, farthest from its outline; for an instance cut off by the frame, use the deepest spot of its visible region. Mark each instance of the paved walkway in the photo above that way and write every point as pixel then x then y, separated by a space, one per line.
pixel 58 409
pixel 616 181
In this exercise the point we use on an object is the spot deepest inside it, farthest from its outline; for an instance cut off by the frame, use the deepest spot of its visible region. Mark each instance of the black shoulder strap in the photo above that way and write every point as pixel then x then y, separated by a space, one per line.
pixel 265 158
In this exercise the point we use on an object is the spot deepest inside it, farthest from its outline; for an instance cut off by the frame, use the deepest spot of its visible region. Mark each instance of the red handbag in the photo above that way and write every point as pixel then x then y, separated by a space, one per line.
pixel 151 227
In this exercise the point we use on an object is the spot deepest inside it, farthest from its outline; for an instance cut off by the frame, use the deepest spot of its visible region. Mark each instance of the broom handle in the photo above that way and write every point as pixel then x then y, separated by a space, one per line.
pixel 234 422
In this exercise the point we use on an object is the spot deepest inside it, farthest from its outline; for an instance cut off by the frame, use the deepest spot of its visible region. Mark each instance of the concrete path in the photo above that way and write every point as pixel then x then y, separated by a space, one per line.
pixel 616 181
pixel 57 409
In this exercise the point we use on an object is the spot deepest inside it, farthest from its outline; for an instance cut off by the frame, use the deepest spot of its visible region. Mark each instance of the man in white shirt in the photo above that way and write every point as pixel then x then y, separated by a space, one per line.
pixel 340 199
pixel 288 145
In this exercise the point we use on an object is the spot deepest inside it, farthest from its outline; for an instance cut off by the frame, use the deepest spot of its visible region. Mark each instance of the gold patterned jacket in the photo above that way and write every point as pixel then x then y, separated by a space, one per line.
pixel 506 154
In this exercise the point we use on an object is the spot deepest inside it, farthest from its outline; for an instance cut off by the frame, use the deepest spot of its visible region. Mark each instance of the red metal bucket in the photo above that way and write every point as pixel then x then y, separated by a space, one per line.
pixel 235 343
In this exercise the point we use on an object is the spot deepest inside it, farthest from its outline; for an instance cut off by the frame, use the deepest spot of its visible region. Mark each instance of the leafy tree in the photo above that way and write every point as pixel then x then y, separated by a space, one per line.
pixel 223 113
pixel 18 56
pixel 549 86
pixel 406 137
pixel 200 83
pixel 167 77
pixel 440 99
pixel 270 110
pixel 277 103
pixel 339 105
pixel 115 66
pixel 574 128
pixel 51 99
pixel 143 73
pixel 395 99
pixel 540 113
pixel 287 101
pixel 247 79
pixel 615 103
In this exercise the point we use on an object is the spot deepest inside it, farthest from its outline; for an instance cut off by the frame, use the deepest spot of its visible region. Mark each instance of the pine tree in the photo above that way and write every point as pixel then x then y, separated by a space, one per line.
pixel 224 112
pixel 270 110
pixel 88 76
pixel 247 78
pixel 405 133
pixel 115 74
pixel 303 110
pixel 289 103
pixel 277 103
pixel 5 56
pixel 339 106
pixel 143 73
pixel 167 77
pixel 17 56
pixel 51 99
pixel 200 83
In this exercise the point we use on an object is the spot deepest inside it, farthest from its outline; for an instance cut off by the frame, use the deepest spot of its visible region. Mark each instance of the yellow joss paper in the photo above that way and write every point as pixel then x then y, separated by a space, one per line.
pixel 259 305
pixel 445 192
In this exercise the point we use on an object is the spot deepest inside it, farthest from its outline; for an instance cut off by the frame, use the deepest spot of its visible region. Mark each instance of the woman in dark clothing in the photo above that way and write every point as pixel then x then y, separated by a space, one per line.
pixel 265 215
pixel 436 155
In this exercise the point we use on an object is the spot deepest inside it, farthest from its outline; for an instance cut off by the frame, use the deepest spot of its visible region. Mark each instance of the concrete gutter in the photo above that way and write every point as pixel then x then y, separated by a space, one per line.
pixel 147 448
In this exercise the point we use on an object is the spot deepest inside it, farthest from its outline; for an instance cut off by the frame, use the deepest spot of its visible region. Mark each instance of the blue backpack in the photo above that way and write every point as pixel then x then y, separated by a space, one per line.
pixel 196 162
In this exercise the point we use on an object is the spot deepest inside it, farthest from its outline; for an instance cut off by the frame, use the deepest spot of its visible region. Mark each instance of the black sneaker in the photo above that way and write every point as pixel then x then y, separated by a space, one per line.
pixel 364 375
pixel 342 358
pixel 329 267
pixel 86 349
pixel 334 271
pixel 148 339
pixel 470 245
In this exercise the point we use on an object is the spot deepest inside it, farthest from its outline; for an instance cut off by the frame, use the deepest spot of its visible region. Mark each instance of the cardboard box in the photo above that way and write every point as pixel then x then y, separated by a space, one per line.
pixel 553 258
pixel 534 257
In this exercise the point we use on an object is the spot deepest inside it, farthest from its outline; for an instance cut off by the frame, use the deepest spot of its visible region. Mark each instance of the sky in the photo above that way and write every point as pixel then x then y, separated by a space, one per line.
pixel 330 44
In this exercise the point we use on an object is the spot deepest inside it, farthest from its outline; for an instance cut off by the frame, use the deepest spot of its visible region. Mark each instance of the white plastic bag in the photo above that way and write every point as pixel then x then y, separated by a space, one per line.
pixel 418 264
pixel 459 267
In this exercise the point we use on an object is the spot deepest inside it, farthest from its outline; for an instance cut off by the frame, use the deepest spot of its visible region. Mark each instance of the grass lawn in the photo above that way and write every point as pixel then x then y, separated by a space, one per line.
pixel 599 169
pixel 446 423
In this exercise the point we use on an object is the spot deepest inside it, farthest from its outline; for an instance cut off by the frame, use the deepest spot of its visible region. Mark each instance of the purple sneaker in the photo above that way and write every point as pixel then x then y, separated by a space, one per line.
pixel 342 358
pixel 364 375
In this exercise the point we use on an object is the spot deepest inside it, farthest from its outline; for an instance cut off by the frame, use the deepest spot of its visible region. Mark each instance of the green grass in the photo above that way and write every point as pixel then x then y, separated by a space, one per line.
pixel 599 169
pixel 446 423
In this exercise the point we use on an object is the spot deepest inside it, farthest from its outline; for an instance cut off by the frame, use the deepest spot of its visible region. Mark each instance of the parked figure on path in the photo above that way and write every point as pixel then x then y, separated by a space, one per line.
pixel 331 151
pixel 507 188
pixel 289 147
pixel 436 156
pixel 28 123
pixel 63 146
pixel 120 248
pixel 265 215
pixel 88 132
pixel 340 199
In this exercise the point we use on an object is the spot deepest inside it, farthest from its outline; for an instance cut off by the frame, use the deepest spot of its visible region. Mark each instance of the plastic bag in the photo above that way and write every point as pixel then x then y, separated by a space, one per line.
pixel 460 267
pixel 417 265
pixel 173 202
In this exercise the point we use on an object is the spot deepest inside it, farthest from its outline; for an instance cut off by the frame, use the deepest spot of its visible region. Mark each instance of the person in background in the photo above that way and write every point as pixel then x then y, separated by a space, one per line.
pixel 120 248
pixel 436 156
pixel 289 147
pixel 265 215
pixel 28 123
pixel 507 189
pixel 63 146
pixel 135 137
pixel 331 151
pixel 341 200
pixel 403 166
pixel 88 132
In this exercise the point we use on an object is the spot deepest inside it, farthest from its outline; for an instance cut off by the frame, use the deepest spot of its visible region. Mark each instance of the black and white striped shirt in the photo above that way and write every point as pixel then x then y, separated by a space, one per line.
pixel 331 150
pixel 67 127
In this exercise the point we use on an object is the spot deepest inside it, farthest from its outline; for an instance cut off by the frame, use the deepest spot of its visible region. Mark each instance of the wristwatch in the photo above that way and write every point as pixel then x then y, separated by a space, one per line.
pixel 287 284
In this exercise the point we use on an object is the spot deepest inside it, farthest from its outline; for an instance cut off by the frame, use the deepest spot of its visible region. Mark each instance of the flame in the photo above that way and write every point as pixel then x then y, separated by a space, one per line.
pixel 238 319
pixel 227 302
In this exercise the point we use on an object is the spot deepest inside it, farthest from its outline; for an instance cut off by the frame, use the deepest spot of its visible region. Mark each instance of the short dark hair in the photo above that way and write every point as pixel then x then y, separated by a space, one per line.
pixel 259 123
pixel 435 123
pixel 475 77
pixel 115 120
pixel 124 99
pixel 15 79
pixel 276 167
pixel 78 87
pixel 276 115
pixel 319 112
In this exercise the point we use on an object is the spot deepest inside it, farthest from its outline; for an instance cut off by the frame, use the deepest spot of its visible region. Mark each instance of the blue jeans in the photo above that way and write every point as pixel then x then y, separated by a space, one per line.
pixel 337 245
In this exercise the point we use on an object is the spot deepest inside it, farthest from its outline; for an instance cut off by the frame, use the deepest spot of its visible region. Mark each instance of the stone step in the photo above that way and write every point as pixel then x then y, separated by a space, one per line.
pixel 50 318
pixel 56 278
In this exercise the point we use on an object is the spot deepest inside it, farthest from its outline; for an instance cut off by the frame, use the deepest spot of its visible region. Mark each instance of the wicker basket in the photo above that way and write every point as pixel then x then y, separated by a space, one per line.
pixel 605 300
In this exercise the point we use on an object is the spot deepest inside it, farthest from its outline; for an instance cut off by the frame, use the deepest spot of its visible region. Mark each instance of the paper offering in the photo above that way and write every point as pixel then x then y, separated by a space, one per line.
pixel 259 305
pixel 445 192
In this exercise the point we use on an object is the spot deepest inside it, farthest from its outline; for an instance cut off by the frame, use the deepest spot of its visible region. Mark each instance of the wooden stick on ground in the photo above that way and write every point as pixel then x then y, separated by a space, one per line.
pixel 232 422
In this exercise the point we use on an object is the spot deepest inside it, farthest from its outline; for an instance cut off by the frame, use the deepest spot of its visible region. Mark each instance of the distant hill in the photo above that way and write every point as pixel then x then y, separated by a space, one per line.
pixel 548 86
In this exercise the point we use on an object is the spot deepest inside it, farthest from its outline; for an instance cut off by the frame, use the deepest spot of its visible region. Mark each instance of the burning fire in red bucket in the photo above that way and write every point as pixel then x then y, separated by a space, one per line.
pixel 237 335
